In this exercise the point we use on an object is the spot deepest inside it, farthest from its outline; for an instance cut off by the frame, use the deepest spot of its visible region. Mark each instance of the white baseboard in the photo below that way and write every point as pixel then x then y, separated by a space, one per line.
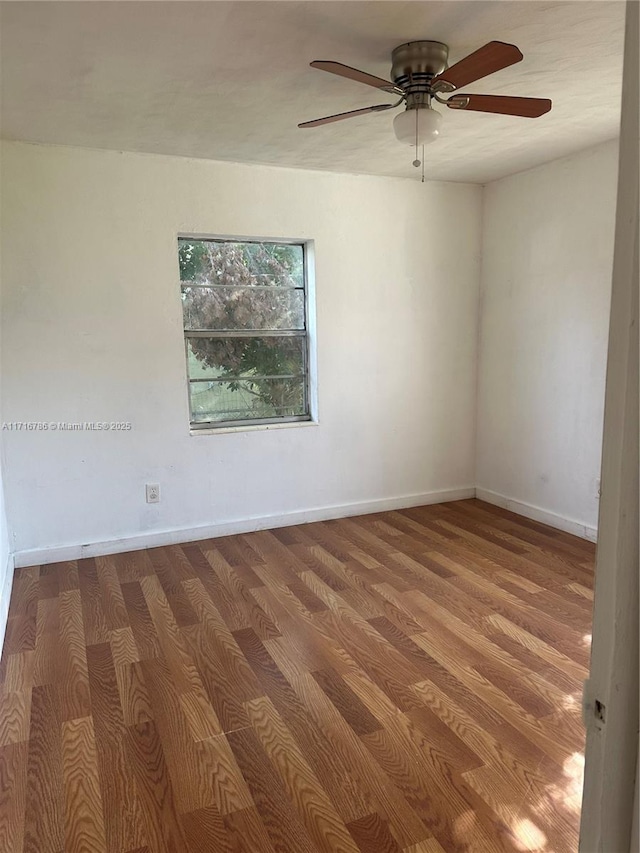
pixel 157 538
pixel 569 525
pixel 6 585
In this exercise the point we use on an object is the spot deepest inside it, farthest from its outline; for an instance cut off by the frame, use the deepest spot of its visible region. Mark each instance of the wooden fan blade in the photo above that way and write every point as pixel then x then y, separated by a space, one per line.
pixel 486 60
pixel 316 122
pixel 503 104
pixel 353 74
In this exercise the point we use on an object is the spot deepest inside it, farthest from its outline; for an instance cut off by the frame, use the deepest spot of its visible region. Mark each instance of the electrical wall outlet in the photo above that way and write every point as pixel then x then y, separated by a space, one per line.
pixel 153 493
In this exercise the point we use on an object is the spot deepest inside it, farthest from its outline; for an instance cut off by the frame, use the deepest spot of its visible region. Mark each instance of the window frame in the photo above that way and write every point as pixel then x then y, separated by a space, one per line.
pixel 307 334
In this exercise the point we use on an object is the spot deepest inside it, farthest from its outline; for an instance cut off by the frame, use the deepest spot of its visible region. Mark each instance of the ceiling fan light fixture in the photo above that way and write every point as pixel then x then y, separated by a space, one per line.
pixel 420 125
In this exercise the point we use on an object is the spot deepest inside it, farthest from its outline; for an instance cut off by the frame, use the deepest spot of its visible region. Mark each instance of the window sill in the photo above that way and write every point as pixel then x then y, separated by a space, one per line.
pixel 252 428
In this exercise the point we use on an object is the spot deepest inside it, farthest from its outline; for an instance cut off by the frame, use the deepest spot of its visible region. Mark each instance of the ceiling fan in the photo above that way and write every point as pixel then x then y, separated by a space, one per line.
pixel 420 74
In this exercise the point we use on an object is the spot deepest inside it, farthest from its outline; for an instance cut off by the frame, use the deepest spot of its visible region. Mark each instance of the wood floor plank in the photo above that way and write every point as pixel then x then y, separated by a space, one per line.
pixel 555 745
pixel 124 824
pixel 348 704
pixel 201 718
pixel 485 744
pixel 581 590
pixel 175 652
pixel 377 791
pixel 276 811
pixel 15 717
pixel 532 535
pixel 327 763
pixel 282 605
pixel 225 603
pixel 83 816
pixel 303 788
pixel 134 696
pixel 162 824
pixel 226 675
pixel 407 681
pixel 478 650
pixel 182 568
pixel 74 679
pixel 183 612
pixel 191 781
pixel 247 832
pixel 250 614
pixel 283 564
pixel 489 562
pixel 44 811
pixel 430 845
pixel 95 622
pixel 377 657
pixel 24 591
pixel 13 789
pixel 437 790
pixel 114 608
pixel 67 573
pixel 372 835
pixel 142 626
pixel 480 537
pixel 307 597
pixel 124 649
pixel 539 647
pixel 229 786
pixel 132 566
pixel 525 809
pixel 48 582
pixel 23 607
pixel 47 651
pixel 307 642
pixel 241 557
pixel 225 697
pixel 205 830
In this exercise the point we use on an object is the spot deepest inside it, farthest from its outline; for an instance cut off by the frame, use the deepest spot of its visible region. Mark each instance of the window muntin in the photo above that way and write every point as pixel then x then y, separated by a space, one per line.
pixel 245 327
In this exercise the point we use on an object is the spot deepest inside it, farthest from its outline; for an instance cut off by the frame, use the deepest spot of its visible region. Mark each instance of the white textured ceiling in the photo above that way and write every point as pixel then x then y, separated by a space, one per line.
pixel 230 81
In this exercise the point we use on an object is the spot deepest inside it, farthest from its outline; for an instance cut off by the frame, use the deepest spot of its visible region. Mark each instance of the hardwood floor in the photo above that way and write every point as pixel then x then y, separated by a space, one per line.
pixel 408 681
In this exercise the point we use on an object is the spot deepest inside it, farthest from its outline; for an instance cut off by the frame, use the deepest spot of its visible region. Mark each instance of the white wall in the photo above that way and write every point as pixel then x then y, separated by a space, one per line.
pixel 545 295
pixel 92 331
pixel 6 561
pixel 6 566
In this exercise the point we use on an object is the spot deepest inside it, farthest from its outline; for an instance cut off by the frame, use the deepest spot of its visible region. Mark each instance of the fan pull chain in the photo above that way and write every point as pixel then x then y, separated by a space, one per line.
pixel 416 162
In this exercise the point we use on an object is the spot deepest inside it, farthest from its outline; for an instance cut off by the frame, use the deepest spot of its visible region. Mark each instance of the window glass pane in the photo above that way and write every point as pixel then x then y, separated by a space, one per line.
pixel 215 358
pixel 246 399
pixel 245 297
pixel 231 308
pixel 241 264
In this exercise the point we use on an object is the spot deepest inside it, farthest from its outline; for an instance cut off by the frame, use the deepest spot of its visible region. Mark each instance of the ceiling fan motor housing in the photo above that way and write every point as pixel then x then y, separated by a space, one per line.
pixel 414 65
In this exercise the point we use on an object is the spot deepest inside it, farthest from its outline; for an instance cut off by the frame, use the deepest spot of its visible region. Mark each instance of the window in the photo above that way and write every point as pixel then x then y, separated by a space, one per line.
pixel 246 331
